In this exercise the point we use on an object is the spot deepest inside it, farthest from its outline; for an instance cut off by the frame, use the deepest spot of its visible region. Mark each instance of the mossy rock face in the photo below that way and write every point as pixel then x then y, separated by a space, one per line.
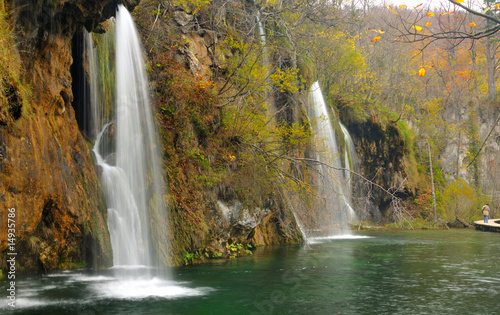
pixel 46 164
pixel 385 152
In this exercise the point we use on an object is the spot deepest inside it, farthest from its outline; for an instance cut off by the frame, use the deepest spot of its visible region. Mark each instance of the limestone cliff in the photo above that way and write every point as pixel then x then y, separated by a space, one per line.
pixel 46 165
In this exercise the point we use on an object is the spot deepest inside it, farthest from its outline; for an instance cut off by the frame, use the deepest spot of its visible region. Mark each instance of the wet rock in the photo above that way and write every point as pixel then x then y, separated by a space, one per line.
pixel 45 160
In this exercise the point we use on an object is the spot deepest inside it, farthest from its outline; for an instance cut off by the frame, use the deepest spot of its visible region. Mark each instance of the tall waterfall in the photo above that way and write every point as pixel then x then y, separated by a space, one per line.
pixel 332 209
pixel 127 152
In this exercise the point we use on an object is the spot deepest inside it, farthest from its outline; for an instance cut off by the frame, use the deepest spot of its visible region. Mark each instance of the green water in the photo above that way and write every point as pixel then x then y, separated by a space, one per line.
pixel 422 272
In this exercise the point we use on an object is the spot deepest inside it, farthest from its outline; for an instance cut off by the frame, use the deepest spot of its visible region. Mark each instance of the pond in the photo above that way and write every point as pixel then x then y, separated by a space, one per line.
pixel 409 272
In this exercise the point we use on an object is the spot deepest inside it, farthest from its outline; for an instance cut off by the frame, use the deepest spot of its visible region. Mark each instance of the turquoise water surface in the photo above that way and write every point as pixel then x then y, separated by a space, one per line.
pixel 411 272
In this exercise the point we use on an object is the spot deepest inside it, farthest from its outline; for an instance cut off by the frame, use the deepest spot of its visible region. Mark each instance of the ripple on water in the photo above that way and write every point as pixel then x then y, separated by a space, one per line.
pixel 319 240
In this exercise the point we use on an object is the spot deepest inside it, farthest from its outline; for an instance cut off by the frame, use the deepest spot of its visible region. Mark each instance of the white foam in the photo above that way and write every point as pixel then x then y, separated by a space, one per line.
pixel 83 278
pixel 23 302
pixel 137 289
pixel 58 275
pixel 108 287
pixel 131 267
pixel 27 292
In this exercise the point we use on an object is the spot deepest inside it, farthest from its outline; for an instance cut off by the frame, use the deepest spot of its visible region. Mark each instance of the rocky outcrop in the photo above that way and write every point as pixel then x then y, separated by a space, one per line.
pixel 219 196
pixel 47 170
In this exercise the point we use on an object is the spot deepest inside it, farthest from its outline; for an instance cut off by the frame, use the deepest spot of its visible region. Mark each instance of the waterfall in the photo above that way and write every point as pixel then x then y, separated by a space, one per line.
pixel 262 33
pixel 350 157
pixel 266 65
pixel 332 209
pixel 127 152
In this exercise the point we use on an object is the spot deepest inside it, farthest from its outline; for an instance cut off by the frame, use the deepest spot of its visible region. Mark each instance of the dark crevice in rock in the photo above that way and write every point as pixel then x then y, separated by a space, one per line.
pixel 81 87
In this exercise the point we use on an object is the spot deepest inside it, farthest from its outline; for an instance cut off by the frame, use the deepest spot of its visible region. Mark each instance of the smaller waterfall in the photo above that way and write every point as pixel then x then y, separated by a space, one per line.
pixel 331 211
pixel 351 159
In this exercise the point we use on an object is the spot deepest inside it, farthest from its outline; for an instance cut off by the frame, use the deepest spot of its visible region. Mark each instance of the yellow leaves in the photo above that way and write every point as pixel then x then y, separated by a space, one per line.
pixel 418 28
pixel 376 31
pixel 429 14
pixel 428 24
pixel 421 72
pixel 376 38
pixel 402 6
pixel 286 80
pixel 472 24
pixel 459 1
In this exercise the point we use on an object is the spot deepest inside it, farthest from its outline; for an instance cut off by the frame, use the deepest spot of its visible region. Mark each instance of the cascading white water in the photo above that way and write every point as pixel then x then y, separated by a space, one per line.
pixel 332 210
pixel 351 160
pixel 131 168
pixel 128 237
pixel 262 33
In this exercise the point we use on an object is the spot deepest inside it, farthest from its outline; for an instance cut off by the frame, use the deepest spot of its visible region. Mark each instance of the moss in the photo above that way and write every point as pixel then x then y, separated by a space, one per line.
pixel 14 94
pixel 307 70
pixel 72 265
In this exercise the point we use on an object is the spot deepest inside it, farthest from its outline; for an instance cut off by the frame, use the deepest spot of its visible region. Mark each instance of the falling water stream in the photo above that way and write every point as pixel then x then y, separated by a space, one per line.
pixel 127 172
pixel 127 154
pixel 332 209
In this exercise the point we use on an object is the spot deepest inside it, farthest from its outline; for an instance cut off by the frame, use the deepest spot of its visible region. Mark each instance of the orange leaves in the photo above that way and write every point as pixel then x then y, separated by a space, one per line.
pixel 376 38
pixel 393 11
pixel 428 24
pixel 429 14
pixel 421 72
pixel 472 24
pixel 459 1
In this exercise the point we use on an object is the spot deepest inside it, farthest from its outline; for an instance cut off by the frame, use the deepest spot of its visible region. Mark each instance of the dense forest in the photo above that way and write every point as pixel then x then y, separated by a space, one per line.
pixel 416 87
